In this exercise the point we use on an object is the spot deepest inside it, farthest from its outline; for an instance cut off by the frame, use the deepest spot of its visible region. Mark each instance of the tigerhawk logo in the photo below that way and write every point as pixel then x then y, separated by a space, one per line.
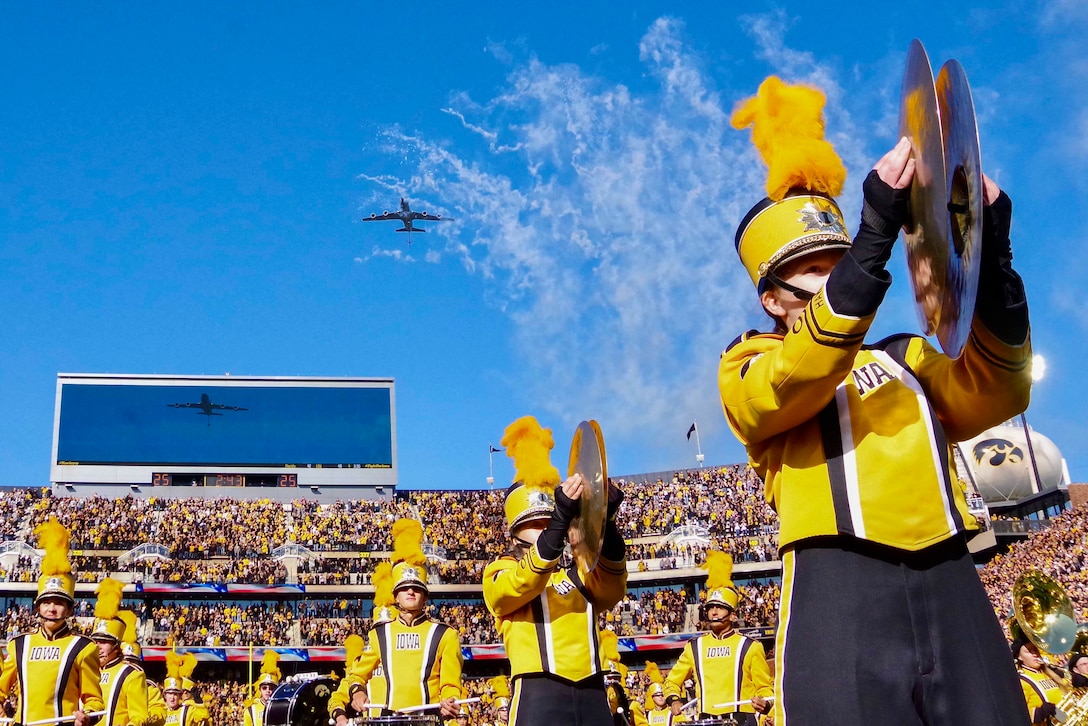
pixel 996 452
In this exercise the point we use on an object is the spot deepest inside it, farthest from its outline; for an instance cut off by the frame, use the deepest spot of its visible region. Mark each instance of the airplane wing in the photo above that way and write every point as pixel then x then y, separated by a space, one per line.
pixel 183 405
pixel 384 216
pixel 429 217
pixel 224 407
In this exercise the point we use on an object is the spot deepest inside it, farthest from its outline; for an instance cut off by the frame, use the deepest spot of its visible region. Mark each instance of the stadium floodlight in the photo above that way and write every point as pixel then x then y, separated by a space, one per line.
pixel 1038 367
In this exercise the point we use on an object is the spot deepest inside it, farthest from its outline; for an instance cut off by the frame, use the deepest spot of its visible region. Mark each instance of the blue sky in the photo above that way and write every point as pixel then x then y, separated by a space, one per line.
pixel 181 188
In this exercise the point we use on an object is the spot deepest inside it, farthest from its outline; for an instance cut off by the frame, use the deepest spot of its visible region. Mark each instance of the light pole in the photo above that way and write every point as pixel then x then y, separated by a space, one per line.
pixel 1038 370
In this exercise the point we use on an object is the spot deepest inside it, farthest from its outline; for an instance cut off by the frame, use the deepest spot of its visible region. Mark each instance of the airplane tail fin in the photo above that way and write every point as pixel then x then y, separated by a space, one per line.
pixel 413 229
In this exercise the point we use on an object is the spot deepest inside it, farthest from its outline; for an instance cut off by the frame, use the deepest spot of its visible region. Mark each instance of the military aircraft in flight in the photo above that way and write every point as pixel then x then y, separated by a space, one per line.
pixel 207 408
pixel 406 216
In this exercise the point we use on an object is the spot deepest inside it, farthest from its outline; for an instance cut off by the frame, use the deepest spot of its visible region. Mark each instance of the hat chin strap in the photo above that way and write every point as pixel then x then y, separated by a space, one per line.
pixel 803 295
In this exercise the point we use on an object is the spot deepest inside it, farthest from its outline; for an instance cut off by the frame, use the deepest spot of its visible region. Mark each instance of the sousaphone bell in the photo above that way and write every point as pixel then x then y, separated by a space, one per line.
pixel 587 457
pixel 944 237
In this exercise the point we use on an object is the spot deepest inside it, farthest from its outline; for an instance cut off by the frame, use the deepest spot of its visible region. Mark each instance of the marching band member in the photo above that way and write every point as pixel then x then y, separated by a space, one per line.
pixel 350 697
pixel 189 695
pixel 727 667
pixel 1041 692
pixel 618 701
pixel 57 672
pixel 656 712
pixel 421 657
pixel 133 655
pixel 124 686
pixel 377 690
pixel 1078 670
pixel 500 700
pixel 177 712
pixel 266 683
pixel 853 441
pixel 547 613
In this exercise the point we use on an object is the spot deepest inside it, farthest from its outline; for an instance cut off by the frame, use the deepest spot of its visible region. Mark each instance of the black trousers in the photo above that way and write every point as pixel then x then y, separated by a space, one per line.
pixel 542 700
pixel 872 635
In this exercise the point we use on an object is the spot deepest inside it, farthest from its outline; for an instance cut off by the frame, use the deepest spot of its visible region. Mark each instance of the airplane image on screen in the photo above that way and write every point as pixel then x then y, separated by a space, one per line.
pixel 207 408
pixel 406 216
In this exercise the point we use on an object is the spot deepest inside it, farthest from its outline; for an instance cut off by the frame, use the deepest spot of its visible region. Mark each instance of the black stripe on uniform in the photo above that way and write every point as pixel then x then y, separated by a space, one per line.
pixel 432 655
pixel 831 338
pixel 897 349
pixel 697 659
pixel 69 664
pixel 995 360
pixel 831 434
pixel 745 645
pixel 20 645
pixel 541 637
pixel 115 697
pixel 384 656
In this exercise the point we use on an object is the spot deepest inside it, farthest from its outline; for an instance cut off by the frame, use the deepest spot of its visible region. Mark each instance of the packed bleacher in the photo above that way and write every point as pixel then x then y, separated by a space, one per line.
pixel 231 541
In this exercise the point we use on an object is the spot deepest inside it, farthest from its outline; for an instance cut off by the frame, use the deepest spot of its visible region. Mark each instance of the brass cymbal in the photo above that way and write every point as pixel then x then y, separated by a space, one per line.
pixel 944 238
pixel 587 457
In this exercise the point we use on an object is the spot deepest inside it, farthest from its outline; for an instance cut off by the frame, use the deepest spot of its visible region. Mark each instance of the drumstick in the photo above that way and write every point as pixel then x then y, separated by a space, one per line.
pixel 739 703
pixel 432 706
pixel 58 719
pixel 689 704
pixel 332 721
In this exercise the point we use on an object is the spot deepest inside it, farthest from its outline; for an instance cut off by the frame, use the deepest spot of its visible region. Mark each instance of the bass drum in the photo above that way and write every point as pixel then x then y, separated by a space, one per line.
pixel 300 704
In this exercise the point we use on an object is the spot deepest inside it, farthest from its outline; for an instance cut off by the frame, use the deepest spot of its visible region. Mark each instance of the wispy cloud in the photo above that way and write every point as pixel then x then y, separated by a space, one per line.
pixel 397 255
pixel 604 221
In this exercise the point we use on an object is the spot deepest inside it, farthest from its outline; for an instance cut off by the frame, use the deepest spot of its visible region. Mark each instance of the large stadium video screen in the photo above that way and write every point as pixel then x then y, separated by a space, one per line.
pixel 225 424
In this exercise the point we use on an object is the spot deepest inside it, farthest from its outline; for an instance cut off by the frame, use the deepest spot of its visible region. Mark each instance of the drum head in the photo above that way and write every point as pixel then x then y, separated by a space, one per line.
pixel 300 704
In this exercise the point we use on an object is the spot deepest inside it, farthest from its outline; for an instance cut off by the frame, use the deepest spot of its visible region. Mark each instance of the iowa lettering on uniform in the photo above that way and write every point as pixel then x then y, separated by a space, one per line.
pixel 719 651
pixel 407 641
pixel 870 377
pixel 45 652
pixel 562 587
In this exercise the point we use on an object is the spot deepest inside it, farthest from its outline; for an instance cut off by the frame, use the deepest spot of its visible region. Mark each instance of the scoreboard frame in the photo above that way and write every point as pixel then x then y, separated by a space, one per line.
pixel 172 474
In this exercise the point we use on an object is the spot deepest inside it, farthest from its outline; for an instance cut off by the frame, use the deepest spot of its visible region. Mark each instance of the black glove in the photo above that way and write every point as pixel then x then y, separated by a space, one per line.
pixel 884 212
pixel 1047 710
pixel 550 542
pixel 9 709
pixel 859 281
pixel 1000 303
pixel 615 499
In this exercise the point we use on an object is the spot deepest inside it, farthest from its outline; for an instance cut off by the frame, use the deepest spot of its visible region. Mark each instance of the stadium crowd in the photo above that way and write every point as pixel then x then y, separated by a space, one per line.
pixel 1060 551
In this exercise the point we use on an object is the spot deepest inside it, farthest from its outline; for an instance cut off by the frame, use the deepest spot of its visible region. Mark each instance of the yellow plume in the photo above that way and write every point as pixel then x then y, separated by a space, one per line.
pixel 188 665
pixel 499 687
pixel 270 663
pixel 719 567
pixel 54 539
pixel 109 598
pixel 408 542
pixel 383 585
pixel 787 125
pixel 173 664
pixel 353 648
pixel 530 447
pixel 610 647
pixel 131 626
pixel 653 672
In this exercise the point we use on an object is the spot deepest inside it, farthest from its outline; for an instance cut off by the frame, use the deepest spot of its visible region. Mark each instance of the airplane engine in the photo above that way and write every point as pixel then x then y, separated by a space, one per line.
pixel 373 216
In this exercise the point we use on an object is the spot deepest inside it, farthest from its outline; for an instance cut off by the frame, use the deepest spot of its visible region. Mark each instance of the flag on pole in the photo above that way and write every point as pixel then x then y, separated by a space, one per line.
pixel 494 450
pixel 691 430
